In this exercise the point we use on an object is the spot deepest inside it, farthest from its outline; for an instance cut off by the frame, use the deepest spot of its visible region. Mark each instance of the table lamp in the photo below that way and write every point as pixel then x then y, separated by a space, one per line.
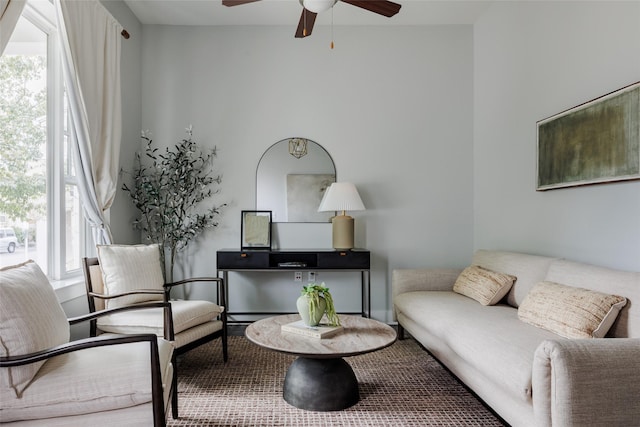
pixel 342 196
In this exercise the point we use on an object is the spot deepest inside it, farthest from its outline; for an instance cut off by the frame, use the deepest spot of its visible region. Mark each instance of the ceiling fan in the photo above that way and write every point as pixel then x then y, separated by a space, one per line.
pixel 311 8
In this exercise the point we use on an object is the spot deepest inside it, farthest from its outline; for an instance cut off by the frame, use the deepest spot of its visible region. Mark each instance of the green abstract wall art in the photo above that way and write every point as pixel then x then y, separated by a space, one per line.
pixel 595 142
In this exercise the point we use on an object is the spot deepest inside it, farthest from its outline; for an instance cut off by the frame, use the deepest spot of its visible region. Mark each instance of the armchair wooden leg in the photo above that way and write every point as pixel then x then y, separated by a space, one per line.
pixel 174 392
pixel 225 353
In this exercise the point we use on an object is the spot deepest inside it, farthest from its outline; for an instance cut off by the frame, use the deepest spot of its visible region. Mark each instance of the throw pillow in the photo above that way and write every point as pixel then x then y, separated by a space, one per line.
pixel 128 268
pixel 570 312
pixel 31 319
pixel 483 285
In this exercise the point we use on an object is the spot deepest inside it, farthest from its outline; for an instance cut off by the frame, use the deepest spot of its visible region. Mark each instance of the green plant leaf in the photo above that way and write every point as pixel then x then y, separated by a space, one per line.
pixel 170 192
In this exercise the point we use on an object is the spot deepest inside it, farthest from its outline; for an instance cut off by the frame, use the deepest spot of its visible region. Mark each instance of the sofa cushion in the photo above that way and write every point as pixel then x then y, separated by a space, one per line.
pixel 130 267
pixel 605 280
pixel 570 312
pixel 490 339
pixel 529 269
pixel 91 380
pixel 483 285
pixel 31 319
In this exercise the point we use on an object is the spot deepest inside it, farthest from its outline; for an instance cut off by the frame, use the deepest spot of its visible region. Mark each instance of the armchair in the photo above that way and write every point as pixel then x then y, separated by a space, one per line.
pixel 47 380
pixel 122 275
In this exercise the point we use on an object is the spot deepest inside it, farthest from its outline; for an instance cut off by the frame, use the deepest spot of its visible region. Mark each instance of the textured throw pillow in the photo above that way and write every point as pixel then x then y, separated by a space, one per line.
pixel 570 312
pixel 483 285
pixel 127 268
pixel 31 319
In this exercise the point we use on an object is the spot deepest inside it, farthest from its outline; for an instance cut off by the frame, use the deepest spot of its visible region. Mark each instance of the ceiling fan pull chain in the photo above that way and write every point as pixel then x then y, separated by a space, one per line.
pixel 304 27
pixel 332 27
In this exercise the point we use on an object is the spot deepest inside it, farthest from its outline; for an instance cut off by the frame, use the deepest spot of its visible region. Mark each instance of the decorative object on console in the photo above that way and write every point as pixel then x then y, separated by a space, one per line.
pixel 256 230
pixel 298 147
pixel 595 142
pixel 170 194
pixel 314 302
pixel 342 196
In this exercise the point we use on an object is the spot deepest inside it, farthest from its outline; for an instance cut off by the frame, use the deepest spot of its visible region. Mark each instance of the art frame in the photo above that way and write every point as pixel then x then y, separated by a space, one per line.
pixel 255 230
pixel 592 143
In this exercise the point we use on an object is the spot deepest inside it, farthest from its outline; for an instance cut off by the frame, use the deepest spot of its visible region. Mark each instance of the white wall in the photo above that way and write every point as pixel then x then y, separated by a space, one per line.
pixel 532 60
pixel 435 125
pixel 392 106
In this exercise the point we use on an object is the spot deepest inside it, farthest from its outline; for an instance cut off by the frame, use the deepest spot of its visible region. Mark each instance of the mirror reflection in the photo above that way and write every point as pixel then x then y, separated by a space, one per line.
pixel 291 178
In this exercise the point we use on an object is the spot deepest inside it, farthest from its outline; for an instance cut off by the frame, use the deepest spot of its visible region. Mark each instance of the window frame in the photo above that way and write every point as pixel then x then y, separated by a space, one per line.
pixel 41 14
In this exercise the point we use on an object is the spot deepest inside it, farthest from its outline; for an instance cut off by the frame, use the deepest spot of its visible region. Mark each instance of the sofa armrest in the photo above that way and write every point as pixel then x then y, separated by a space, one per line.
pixel 425 279
pixel 587 382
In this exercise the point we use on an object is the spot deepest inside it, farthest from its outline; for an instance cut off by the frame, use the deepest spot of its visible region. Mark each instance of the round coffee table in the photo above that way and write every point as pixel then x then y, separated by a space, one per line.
pixel 320 379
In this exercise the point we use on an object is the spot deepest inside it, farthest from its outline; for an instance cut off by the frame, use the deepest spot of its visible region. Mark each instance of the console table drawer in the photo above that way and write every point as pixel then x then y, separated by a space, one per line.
pixel 344 259
pixel 242 260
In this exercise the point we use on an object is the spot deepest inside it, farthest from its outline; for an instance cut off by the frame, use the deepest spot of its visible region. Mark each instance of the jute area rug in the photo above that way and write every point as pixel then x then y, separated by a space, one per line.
pixel 401 385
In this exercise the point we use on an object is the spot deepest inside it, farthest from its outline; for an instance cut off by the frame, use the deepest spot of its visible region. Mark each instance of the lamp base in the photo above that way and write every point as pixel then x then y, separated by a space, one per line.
pixel 342 232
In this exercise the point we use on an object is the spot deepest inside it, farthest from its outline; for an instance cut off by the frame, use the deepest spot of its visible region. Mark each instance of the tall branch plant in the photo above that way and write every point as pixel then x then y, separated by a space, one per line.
pixel 170 189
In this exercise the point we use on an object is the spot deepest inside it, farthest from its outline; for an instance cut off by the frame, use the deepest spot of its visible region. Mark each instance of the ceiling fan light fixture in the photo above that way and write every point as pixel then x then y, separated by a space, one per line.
pixel 318 6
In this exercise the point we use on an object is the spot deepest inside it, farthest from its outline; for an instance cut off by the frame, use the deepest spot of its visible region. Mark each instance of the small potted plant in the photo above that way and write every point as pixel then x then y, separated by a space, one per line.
pixel 314 301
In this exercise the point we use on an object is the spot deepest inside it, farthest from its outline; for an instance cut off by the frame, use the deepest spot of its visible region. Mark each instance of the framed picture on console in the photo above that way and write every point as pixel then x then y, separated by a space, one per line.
pixel 595 142
pixel 255 230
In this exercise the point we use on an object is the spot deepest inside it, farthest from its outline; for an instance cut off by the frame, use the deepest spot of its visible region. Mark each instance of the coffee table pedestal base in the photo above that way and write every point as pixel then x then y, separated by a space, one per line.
pixel 321 384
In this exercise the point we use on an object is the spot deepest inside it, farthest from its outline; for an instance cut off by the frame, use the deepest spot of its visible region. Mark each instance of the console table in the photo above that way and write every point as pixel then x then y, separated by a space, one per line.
pixel 353 260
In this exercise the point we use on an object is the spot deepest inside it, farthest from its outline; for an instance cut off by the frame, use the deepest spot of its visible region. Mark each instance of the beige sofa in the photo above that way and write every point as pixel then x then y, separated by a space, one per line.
pixel 529 375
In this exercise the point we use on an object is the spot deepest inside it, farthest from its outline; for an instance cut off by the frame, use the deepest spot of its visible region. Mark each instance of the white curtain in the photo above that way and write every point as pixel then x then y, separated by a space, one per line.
pixel 10 11
pixel 90 40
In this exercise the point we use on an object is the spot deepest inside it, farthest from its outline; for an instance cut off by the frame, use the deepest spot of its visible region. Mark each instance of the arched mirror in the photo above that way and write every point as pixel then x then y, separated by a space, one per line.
pixel 291 178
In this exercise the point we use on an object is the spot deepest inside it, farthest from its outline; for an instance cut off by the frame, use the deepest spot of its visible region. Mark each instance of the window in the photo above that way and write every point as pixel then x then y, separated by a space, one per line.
pixel 39 197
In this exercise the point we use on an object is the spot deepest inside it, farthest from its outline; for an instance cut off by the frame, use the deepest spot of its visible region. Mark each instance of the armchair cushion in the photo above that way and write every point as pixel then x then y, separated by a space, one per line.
pixel 127 268
pixel 87 381
pixel 186 314
pixel 31 319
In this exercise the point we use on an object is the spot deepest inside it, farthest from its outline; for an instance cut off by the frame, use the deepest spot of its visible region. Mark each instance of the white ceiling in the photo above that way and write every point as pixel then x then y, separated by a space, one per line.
pixel 287 12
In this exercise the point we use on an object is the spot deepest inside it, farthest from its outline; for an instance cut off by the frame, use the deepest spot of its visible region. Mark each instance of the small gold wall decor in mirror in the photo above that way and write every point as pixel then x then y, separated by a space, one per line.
pixel 298 147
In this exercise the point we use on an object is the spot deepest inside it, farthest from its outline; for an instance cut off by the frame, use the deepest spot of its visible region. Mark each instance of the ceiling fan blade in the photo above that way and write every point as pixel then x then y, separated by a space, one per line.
pixel 385 8
pixel 307 19
pixel 236 2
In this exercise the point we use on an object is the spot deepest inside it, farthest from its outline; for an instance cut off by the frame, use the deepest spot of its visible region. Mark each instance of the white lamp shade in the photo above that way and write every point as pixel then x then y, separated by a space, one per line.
pixel 318 6
pixel 341 196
